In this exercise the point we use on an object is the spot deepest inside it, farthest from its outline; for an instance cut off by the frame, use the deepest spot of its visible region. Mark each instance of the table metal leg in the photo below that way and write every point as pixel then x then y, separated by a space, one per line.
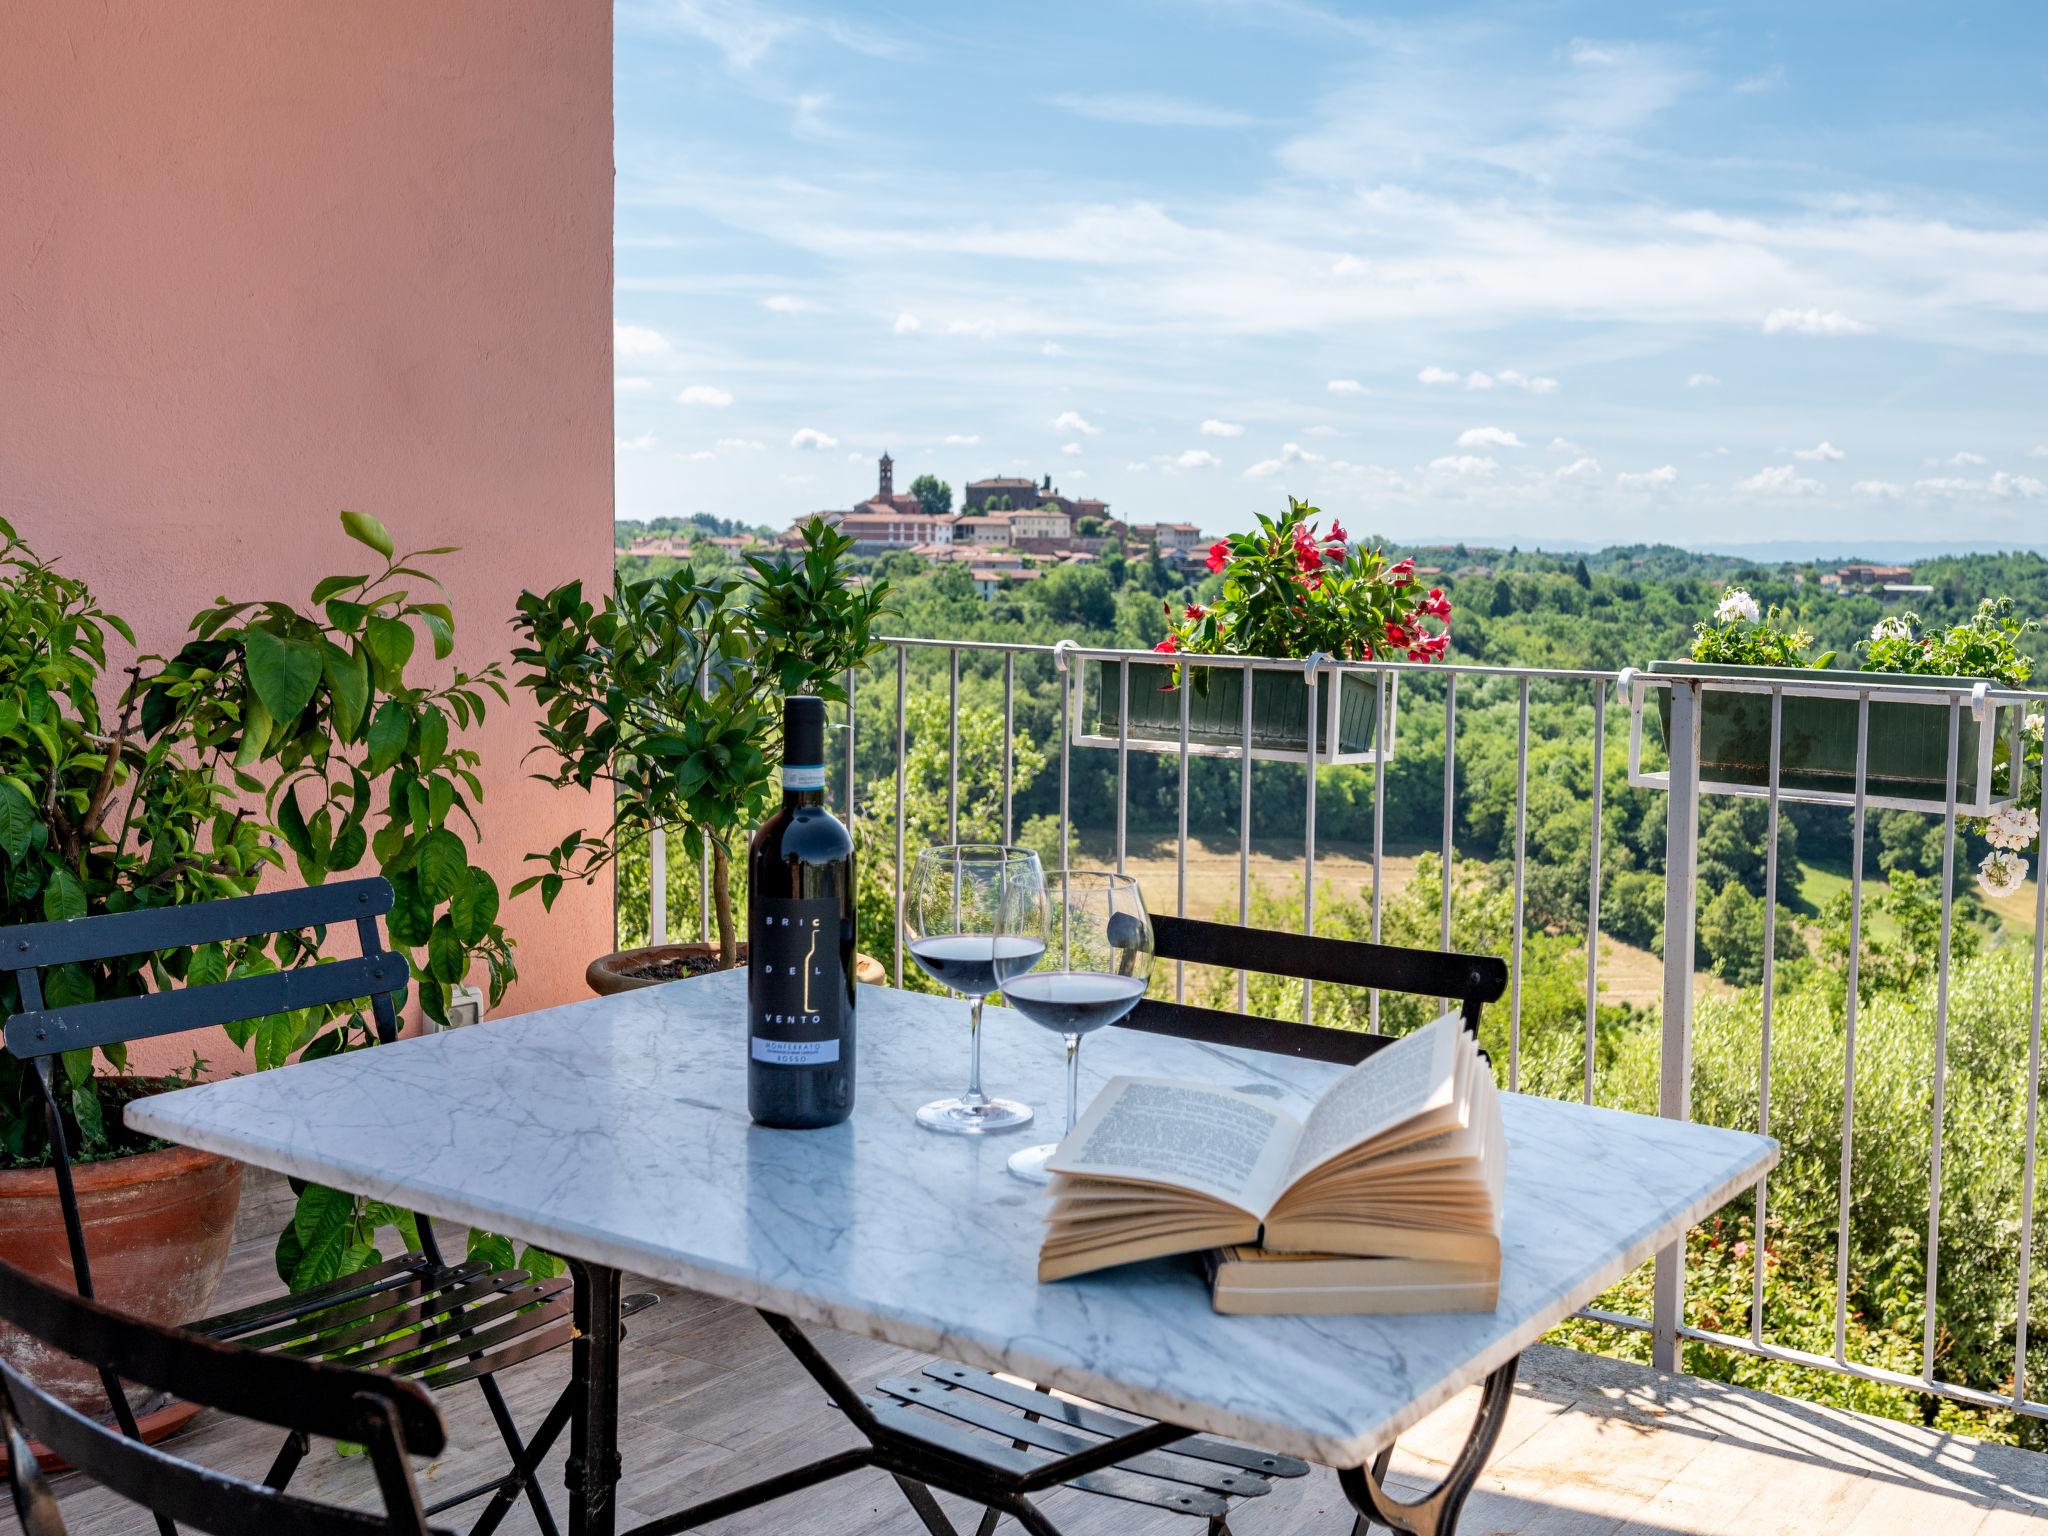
pixel 593 1470
pixel 1436 1512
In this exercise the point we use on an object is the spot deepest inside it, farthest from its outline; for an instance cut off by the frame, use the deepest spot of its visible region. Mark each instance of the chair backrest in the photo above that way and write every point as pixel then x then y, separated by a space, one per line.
pixel 388 1416
pixel 1471 981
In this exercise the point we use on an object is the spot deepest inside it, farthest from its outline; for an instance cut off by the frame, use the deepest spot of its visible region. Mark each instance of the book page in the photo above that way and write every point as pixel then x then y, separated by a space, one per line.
pixel 1415 1074
pixel 1229 1146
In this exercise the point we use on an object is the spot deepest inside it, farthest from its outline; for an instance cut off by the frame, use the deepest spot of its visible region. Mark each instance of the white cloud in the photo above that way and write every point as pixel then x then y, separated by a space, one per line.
pixel 2002 485
pixel 1780 480
pixel 638 444
pixel 638 341
pixel 1762 80
pixel 1073 421
pixel 1820 453
pixel 1070 448
pixel 705 394
pixel 1565 445
pixel 1812 322
pixel 812 438
pixel 1215 428
pixel 741 445
pixel 1884 490
pixel 2038 451
pixel 1348 265
pixel 1436 375
pixel 1196 458
pixel 1324 429
pixel 1345 387
pixel 1052 349
pixel 786 304
pixel 1465 464
pixel 1478 380
pixel 1649 480
pixel 907 322
pixel 701 456
pixel 1138 467
pixel 631 384
pixel 962 439
pixel 1290 453
pixel 1581 471
pixel 856 457
pixel 1489 437
pixel 1702 381
pixel 1966 459
pixel 1588 54
pixel 1536 385
pixel 1147 109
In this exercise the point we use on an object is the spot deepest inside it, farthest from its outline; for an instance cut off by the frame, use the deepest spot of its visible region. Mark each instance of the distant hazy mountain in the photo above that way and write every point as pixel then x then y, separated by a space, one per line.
pixel 1779 551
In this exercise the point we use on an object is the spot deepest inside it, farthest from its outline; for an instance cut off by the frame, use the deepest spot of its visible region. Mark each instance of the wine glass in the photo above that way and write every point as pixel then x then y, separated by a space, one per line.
pixel 1093 943
pixel 951 916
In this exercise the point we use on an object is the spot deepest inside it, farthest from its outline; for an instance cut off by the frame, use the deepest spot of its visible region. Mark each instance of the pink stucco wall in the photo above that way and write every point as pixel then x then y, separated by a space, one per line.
pixel 259 262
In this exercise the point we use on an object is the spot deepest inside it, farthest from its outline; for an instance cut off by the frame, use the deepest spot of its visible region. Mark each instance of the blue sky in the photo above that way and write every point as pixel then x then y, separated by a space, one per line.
pixel 1564 271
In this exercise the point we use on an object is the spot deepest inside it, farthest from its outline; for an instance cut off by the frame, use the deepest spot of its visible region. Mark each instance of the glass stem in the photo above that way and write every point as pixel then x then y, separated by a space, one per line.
pixel 974 1097
pixel 1073 1079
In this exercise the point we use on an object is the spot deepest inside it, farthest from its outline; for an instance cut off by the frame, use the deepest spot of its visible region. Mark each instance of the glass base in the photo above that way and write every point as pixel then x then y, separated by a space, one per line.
pixel 1029 1164
pixel 957 1117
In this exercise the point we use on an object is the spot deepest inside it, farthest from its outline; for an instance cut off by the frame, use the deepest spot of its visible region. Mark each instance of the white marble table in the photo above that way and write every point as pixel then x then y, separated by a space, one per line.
pixel 615 1132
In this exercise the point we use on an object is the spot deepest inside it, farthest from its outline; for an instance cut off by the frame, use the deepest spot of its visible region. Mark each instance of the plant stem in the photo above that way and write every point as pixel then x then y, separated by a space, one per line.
pixel 721 905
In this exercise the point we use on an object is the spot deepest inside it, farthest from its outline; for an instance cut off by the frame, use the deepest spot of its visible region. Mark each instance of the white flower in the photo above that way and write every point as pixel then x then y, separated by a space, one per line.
pixel 1737 604
pixel 1893 628
pixel 2032 725
pixel 2013 827
pixel 2001 873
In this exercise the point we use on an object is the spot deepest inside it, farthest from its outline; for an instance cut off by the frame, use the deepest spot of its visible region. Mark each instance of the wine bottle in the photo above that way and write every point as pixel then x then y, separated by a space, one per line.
pixel 800 967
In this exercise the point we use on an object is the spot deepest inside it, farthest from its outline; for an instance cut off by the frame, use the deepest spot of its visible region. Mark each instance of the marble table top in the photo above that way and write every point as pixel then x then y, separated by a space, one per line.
pixel 616 1131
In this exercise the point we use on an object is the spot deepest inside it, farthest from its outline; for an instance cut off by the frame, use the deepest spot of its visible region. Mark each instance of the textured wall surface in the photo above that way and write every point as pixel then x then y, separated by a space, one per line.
pixel 262 262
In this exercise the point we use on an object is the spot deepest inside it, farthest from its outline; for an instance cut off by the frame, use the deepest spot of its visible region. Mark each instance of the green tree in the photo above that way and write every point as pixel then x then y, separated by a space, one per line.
pixel 933 494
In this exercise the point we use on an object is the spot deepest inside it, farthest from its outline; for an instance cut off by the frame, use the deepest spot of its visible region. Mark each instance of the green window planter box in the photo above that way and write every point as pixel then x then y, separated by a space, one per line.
pixel 1347 724
pixel 1907 763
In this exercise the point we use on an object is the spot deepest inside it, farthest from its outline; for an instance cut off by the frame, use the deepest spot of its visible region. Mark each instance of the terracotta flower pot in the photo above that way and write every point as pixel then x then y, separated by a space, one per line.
pixel 614 973
pixel 157 1230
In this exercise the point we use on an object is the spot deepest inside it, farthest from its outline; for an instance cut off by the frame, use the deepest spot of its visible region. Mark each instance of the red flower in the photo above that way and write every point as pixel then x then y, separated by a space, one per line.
pixel 1337 534
pixel 1401 572
pixel 1306 551
pixel 1417 653
pixel 1168 645
pixel 1219 553
pixel 1197 611
pixel 1436 604
pixel 1396 635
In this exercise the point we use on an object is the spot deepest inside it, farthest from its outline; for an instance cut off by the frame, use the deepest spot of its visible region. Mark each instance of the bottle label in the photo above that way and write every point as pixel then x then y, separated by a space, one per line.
pixel 796 985
pixel 796 776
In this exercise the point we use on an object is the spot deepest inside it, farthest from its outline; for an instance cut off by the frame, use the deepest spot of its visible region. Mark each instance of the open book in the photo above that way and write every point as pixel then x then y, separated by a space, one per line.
pixel 1403 1157
pixel 1261 1282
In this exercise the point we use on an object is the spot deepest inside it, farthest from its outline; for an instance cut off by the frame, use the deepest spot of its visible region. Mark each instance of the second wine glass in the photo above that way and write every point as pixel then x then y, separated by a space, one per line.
pixel 1093 943
pixel 953 918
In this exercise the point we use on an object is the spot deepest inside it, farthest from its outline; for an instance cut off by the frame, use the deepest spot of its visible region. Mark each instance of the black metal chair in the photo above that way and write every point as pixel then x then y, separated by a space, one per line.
pixel 1200 1475
pixel 416 1315
pixel 388 1417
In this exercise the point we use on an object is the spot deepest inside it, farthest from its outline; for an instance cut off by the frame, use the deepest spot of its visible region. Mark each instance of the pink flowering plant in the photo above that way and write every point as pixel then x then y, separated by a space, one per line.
pixel 1291 590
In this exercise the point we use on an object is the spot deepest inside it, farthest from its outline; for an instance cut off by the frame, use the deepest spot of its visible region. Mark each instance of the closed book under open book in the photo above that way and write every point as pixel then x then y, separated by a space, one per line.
pixel 1403 1157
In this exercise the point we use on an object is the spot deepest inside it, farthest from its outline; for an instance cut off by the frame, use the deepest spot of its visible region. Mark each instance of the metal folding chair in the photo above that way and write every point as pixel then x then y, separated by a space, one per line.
pixel 388 1417
pixel 1199 1475
pixel 416 1315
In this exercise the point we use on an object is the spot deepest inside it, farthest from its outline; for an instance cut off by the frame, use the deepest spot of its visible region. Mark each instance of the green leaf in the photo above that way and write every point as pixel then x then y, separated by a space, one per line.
pixel 390 642
pixel 66 986
pixel 209 966
pixel 474 907
pixel 388 732
pixel 540 1264
pixel 447 960
pixel 17 821
pixel 365 529
pixel 412 916
pixel 283 672
pixel 63 897
pixel 494 1250
pixel 433 737
pixel 291 821
pixel 327 586
pixel 85 1107
pixel 443 865
pixel 350 843
pixel 256 727
pixel 440 626
pixel 348 681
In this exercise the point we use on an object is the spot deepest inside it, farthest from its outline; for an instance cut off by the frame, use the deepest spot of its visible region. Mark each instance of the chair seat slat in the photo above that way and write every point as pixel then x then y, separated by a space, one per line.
pixel 107 936
pixel 420 1290
pixel 398 1271
pixel 439 1318
pixel 152 1014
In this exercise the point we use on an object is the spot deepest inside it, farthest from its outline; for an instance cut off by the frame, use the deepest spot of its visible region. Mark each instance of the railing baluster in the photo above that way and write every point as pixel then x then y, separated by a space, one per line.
pixel 2026 1276
pixel 1123 758
pixel 1849 1031
pixel 657 886
pixel 704 896
pixel 1063 666
pixel 1593 880
pixel 1941 981
pixel 1521 866
pixel 1758 1224
pixel 1379 839
pixel 902 672
pixel 851 768
pixel 1009 741
pixel 1180 873
pixel 1308 836
pixel 1244 832
pixel 1681 897
pixel 953 745
pixel 1450 809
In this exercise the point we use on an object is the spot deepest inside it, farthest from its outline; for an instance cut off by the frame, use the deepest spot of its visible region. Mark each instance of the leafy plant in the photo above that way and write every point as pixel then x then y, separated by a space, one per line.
pixel 1289 590
pixel 666 695
pixel 1987 644
pixel 1743 634
pixel 91 821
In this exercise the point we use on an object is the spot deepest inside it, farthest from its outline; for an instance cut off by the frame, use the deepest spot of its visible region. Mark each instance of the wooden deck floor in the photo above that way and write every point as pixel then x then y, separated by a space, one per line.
pixel 1591 1447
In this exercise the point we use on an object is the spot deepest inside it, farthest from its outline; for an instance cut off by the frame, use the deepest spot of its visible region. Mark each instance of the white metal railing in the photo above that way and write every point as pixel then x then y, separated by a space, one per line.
pixel 1682 786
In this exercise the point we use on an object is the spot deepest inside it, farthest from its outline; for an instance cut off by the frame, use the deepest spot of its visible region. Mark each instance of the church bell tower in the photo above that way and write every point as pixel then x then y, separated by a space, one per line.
pixel 888 479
